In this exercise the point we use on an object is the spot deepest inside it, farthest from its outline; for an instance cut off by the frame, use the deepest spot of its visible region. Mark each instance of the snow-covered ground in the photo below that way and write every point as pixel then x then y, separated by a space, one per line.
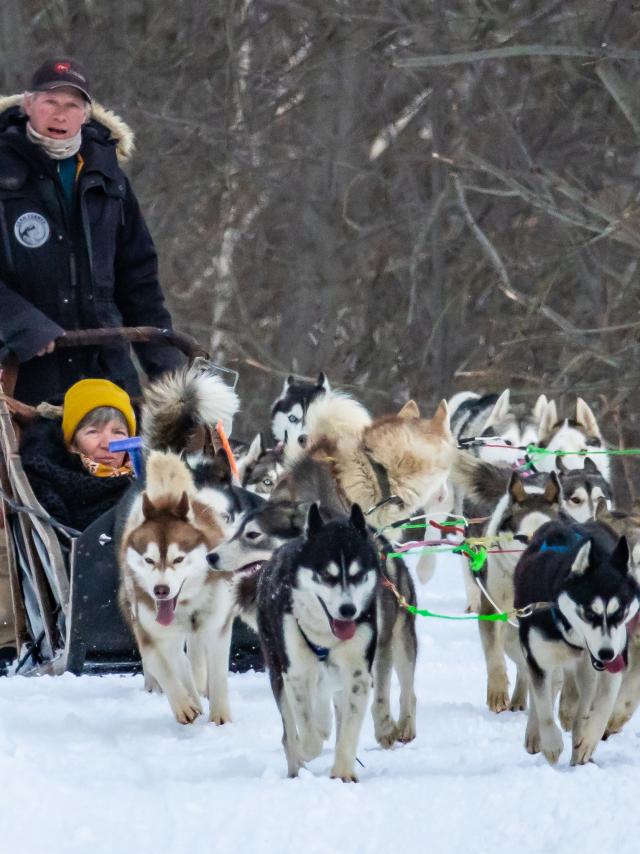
pixel 94 765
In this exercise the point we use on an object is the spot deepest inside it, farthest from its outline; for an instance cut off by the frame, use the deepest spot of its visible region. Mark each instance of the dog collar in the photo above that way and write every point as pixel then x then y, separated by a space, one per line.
pixel 382 476
pixel 321 652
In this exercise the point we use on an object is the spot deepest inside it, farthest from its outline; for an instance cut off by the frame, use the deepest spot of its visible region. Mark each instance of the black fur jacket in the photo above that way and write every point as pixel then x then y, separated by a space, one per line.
pixel 66 490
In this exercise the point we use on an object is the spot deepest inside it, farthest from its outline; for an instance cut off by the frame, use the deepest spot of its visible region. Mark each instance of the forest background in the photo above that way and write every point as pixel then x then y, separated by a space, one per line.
pixel 415 196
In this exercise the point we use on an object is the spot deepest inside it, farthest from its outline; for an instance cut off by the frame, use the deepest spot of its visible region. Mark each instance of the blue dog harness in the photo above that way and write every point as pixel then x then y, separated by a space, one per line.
pixel 321 652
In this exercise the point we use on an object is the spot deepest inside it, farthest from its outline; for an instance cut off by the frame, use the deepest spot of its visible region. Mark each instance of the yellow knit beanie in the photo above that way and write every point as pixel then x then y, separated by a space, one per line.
pixel 87 395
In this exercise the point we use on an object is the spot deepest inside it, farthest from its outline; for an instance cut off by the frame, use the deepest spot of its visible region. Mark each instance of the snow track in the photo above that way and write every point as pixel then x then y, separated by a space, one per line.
pixel 96 765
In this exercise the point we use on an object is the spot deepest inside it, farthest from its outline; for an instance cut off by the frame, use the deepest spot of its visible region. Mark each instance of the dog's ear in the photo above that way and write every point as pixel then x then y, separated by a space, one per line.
pixel 589 466
pixel 254 452
pixel 602 513
pixel 539 407
pixel 581 560
pixel 553 490
pixel 440 420
pixel 561 466
pixel 620 556
pixel 148 508
pixel 181 509
pixel 322 382
pixel 548 420
pixel 585 416
pixel 314 523
pixel 220 468
pixel 357 520
pixel 500 409
pixel 409 410
pixel 288 381
pixel 516 488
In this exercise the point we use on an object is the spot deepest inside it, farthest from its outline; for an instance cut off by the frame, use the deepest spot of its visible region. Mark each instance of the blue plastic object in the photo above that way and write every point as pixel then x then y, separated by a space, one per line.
pixel 133 446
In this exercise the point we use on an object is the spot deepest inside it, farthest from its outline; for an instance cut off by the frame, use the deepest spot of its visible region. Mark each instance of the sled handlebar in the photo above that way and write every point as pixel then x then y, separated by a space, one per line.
pixel 133 334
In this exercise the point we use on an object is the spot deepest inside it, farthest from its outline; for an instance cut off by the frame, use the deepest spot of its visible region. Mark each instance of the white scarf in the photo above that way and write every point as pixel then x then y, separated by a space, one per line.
pixel 57 149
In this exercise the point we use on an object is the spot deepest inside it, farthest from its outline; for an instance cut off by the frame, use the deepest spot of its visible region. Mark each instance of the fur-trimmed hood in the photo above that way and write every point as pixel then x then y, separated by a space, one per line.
pixel 118 129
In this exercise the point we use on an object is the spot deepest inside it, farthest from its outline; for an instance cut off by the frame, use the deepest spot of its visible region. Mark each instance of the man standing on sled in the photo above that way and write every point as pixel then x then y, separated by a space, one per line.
pixel 75 252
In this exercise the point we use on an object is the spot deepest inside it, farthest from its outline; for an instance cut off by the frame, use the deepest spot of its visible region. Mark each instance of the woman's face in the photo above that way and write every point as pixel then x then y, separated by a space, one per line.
pixel 93 442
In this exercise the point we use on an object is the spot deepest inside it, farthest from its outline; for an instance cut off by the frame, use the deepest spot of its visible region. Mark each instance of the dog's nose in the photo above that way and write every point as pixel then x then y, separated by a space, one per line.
pixel 213 558
pixel 161 591
pixel 347 611
pixel 605 654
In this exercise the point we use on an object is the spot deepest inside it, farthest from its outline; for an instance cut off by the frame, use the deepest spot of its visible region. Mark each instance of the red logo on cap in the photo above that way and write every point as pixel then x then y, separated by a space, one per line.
pixel 62 67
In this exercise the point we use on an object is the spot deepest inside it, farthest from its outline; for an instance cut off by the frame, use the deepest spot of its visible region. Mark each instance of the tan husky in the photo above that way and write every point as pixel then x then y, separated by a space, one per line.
pixel 391 466
pixel 169 596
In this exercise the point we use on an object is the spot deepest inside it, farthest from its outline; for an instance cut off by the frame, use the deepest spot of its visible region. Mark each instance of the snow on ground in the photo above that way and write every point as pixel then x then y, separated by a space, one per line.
pixel 93 764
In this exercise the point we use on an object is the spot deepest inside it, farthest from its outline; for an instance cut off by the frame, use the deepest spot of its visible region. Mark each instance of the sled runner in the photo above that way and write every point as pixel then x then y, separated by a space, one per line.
pixel 64 583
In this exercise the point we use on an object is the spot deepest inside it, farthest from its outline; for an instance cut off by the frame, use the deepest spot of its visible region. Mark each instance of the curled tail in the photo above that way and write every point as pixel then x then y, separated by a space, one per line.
pixel 481 482
pixel 334 416
pixel 181 403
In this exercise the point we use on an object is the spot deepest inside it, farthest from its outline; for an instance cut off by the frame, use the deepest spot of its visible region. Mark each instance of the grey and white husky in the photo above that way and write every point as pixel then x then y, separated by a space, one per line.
pixel 515 425
pixel 581 572
pixel 527 504
pixel 578 435
pixel 259 467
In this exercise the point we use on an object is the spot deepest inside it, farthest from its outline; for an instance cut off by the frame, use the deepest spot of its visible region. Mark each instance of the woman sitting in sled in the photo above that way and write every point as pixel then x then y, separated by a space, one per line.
pixel 74 475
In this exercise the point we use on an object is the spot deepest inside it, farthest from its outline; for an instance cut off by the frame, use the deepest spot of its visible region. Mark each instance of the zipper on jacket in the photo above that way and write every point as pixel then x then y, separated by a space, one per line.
pixel 5 238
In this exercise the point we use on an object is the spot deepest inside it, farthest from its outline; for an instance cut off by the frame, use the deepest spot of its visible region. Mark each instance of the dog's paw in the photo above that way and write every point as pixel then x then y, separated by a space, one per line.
pixel 584 747
pixel 338 773
pixel 498 699
pixel 219 718
pixel 518 704
pixel 616 722
pixel 551 745
pixel 187 709
pixel 386 732
pixel 151 684
pixel 532 741
pixel 406 730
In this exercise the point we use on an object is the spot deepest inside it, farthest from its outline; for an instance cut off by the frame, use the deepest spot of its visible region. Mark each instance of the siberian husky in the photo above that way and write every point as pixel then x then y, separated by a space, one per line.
pixel 288 411
pixel 318 601
pixel 391 466
pixel 514 426
pixel 260 467
pixel 578 435
pixel 527 504
pixel 628 699
pixel 582 573
pixel 168 594
pixel 254 543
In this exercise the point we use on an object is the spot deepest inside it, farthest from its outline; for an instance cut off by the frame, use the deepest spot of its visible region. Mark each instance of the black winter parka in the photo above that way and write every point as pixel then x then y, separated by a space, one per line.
pixel 97 268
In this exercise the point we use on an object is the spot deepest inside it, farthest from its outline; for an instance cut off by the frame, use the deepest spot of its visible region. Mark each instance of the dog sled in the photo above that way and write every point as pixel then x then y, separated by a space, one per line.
pixel 64 583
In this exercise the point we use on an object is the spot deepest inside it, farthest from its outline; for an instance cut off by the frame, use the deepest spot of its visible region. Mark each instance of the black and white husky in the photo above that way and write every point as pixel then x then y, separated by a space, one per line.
pixel 316 603
pixel 290 408
pixel 277 523
pixel 581 573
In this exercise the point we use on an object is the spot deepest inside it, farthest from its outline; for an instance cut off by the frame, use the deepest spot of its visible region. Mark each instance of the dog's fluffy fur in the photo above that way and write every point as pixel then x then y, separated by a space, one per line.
pixel 350 458
pixel 181 406
pixel 169 596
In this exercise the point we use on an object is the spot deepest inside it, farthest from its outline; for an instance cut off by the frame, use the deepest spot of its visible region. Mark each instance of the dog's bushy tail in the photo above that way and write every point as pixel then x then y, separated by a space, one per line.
pixel 180 402
pixel 167 478
pixel 481 482
pixel 334 416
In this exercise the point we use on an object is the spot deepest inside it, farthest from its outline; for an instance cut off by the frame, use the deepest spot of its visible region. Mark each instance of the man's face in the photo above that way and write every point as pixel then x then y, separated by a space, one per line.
pixel 58 114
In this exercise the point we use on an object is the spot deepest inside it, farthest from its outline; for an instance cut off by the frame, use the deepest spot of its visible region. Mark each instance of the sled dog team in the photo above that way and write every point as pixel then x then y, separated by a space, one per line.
pixel 295 545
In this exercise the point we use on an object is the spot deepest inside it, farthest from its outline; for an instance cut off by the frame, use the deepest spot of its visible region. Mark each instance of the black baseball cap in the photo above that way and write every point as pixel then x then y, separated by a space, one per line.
pixel 58 72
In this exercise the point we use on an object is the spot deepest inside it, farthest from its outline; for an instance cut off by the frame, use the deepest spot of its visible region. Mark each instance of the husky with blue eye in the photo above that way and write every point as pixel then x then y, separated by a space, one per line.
pixel 290 408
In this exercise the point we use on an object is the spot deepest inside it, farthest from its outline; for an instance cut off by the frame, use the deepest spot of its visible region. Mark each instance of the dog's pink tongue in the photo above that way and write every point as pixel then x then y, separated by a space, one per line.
pixel 615 665
pixel 165 609
pixel 343 629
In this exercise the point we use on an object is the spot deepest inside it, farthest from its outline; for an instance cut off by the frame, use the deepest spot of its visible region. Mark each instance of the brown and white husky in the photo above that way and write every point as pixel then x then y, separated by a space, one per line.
pixel 169 596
